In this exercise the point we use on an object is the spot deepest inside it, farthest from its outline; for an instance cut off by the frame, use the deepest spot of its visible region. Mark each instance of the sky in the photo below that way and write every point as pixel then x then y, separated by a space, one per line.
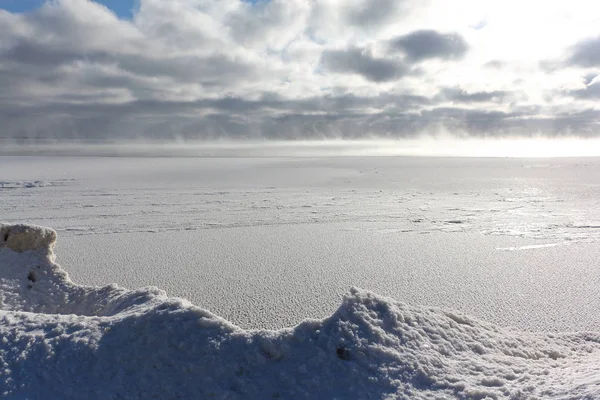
pixel 298 69
pixel 124 9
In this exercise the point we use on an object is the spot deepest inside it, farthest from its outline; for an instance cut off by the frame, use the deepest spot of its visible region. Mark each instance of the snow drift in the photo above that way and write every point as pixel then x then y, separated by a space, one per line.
pixel 60 340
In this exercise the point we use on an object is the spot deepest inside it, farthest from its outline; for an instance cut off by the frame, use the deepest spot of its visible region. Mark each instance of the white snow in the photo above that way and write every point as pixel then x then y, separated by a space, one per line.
pixel 60 340
pixel 21 238
pixel 267 242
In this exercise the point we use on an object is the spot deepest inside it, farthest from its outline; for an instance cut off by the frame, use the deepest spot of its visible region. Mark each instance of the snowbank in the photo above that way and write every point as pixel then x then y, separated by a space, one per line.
pixel 60 340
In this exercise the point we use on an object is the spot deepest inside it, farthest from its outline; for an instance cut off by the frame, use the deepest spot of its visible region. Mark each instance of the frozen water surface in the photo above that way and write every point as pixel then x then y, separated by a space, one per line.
pixel 275 276
pixel 267 242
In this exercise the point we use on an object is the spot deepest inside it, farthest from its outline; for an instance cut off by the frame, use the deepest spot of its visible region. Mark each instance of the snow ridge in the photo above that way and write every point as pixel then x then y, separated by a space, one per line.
pixel 60 340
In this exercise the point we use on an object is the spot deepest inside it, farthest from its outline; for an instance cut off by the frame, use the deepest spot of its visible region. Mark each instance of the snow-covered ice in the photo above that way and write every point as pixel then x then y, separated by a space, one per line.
pixel 269 241
pixel 555 202
pixel 276 276
pixel 65 341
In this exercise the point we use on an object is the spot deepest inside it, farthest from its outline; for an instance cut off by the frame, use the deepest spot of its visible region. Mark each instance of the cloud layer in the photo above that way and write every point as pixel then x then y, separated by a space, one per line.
pixel 292 69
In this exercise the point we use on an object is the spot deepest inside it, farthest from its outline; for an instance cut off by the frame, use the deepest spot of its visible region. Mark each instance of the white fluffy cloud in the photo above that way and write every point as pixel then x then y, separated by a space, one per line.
pixel 299 68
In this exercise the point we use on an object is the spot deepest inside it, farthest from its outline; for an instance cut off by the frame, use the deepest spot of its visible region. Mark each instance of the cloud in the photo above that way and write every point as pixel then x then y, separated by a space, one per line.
pixel 586 53
pixel 362 62
pixel 590 78
pixel 462 96
pixel 591 92
pixel 425 44
pixel 330 20
pixel 281 69
pixel 274 23
pixel 498 64
pixel 372 13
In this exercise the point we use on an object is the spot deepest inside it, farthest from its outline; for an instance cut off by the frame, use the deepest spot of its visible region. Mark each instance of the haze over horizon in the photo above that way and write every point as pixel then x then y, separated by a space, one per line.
pixel 297 69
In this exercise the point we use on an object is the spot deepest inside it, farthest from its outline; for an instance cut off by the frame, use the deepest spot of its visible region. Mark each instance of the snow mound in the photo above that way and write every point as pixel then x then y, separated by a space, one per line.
pixel 21 238
pixel 59 340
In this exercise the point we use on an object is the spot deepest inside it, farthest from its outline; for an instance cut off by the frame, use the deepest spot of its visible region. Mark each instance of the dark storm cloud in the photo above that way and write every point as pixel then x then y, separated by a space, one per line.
pixel 362 62
pixel 586 53
pixel 425 44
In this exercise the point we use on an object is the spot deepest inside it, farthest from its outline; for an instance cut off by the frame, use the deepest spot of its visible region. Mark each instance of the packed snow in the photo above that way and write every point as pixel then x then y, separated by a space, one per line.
pixel 65 341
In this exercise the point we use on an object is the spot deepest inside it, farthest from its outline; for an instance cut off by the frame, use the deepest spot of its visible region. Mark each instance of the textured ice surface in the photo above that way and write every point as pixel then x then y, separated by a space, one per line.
pixel 557 201
pixel 266 242
pixel 64 341
pixel 275 276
